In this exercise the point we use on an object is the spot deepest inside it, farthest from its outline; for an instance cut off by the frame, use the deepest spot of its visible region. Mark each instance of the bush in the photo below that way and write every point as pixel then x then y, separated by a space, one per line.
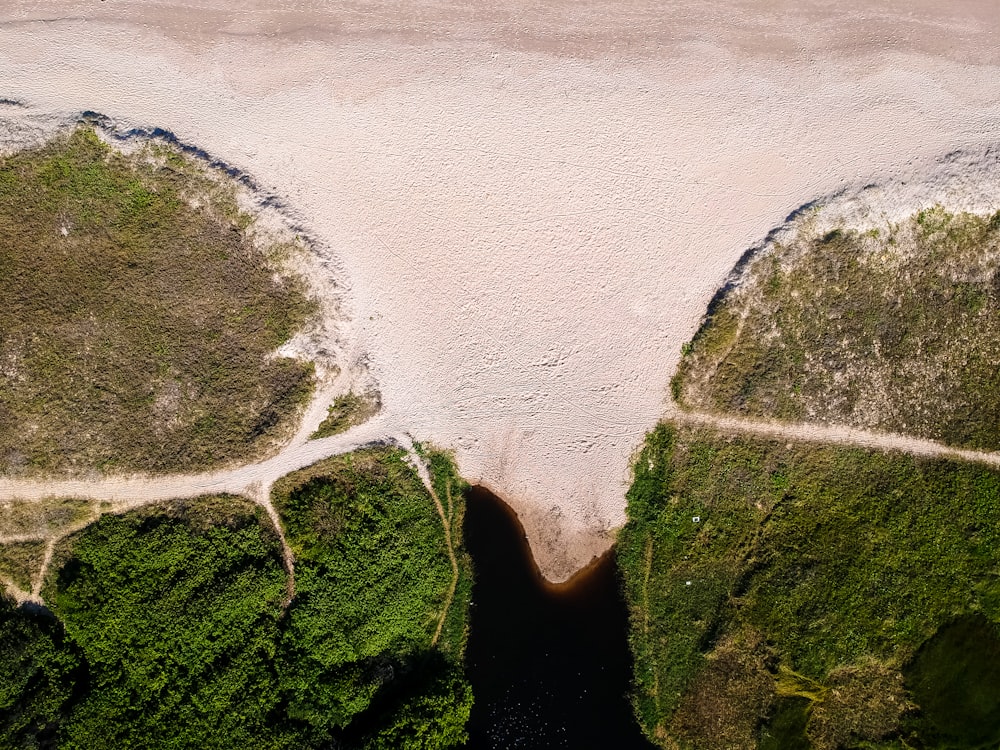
pixel 176 634
pixel 372 582
pixel 40 671
pixel 177 620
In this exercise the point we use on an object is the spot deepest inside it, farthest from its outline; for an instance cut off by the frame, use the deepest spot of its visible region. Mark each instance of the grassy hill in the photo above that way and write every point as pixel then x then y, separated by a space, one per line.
pixel 895 330
pixel 788 595
pixel 140 318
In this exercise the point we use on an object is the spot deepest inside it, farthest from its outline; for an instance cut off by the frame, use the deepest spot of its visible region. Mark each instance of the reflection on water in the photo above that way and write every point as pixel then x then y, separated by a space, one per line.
pixel 549 665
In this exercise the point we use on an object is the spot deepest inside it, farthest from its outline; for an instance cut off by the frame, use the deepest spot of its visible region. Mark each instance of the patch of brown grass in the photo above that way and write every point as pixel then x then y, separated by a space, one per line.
pixel 42 517
pixel 725 702
pixel 864 702
pixel 20 562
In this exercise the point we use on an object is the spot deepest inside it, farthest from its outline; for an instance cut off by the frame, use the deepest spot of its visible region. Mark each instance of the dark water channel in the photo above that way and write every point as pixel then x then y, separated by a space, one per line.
pixel 549 665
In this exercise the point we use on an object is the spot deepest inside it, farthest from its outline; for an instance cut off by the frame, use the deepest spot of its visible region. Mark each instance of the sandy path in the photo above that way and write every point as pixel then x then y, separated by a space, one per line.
pixel 837 435
pixel 250 480
pixel 255 480
pixel 531 202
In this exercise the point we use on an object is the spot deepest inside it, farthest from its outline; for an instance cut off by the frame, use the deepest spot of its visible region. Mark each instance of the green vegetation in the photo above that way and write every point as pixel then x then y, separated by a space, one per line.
pixel 450 490
pixel 373 581
pixel 21 562
pixel 175 610
pixel 139 318
pixel 42 517
pixel 896 330
pixel 40 671
pixel 780 593
pixel 171 630
pixel 347 411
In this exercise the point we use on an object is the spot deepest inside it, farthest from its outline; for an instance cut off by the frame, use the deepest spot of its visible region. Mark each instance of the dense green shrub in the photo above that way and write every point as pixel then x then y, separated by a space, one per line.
pixel 433 714
pixel 176 612
pixel 177 633
pixel 373 580
pixel 38 673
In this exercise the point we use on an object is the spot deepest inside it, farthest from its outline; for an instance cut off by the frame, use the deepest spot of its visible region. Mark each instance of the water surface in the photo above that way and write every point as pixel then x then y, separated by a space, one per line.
pixel 549 665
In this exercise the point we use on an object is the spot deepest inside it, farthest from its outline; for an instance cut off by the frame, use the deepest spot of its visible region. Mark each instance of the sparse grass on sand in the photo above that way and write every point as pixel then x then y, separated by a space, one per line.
pixel 42 517
pixel 140 319
pixel 894 330
pixel 781 592
pixel 347 411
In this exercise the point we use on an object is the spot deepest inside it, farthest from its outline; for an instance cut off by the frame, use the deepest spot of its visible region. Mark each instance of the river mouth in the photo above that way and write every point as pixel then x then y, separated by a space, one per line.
pixel 549 664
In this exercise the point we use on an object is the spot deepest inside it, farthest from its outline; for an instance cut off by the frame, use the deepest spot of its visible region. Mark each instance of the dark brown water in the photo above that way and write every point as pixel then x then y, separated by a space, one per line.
pixel 549 665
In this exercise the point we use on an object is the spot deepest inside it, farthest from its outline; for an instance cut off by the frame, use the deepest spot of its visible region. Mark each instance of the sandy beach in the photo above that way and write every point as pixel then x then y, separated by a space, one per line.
pixel 530 205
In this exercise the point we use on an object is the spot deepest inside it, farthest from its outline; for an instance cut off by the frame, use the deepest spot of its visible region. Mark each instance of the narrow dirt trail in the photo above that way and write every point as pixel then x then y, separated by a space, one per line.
pixel 836 435
pixel 140 489
pixel 254 481
pixel 261 494
pixel 51 540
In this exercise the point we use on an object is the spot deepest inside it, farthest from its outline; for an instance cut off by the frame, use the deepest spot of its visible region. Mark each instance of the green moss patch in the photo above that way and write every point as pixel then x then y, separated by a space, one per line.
pixel 761 574
pixel 139 318
pixel 894 330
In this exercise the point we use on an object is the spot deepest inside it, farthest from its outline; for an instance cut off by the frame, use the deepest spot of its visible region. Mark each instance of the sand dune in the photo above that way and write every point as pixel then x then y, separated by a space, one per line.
pixel 530 203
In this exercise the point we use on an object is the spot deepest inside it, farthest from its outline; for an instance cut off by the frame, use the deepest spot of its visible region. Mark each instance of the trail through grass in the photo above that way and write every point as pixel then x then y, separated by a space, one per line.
pixel 892 330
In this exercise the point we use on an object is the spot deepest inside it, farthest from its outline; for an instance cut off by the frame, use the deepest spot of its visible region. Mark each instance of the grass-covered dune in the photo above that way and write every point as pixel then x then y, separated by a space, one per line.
pixel 895 330
pixel 788 595
pixel 139 316
pixel 169 626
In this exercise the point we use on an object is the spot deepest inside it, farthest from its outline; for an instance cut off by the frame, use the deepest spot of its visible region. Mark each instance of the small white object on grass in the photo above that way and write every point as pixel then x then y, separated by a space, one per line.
pixel 695 519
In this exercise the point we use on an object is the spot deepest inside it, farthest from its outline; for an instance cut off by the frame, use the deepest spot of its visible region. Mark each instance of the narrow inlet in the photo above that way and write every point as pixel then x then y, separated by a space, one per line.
pixel 550 665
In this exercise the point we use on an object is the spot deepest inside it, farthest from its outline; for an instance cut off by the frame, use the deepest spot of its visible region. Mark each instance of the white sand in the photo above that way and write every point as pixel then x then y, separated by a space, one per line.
pixel 532 205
